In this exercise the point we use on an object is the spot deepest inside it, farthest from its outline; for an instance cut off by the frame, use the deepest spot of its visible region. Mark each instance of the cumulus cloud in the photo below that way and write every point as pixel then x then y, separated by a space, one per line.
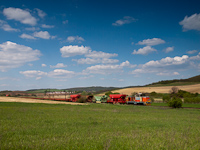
pixel 26 36
pixel 32 29
pixel 151 42
pixel 78 39
pixel 191 23
pixel 33 74
pixel 197 57
pixel 6 27
pixel 47 26
pixel 68 51
pixel 58 65
pixel 95 61
pixel 65 22
pixel 125 20
pixel 42 35
pixel 144 51
pixel 41 13
pixel 61 73
pixel 165 66
pixel 192 51
pixel 20 15
pixel 107 69
pixel 169 49
pixel 43 65
pixel 167 73
pixel 100 54
pixel 13 55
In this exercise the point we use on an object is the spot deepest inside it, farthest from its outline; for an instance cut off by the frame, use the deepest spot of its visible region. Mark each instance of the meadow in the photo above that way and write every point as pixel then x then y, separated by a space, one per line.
pixel 97 126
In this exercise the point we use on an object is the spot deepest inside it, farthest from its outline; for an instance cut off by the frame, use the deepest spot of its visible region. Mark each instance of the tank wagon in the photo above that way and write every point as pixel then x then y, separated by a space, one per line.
pixel 139 99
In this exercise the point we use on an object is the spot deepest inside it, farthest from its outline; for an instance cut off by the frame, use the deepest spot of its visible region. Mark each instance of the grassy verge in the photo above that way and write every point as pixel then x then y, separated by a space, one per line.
pixel 97 126
pixel 184 105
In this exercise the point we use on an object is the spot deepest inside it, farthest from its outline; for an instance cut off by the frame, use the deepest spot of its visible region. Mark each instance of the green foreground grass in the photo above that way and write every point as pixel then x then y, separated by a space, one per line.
pixel 185 105
pixel 97 126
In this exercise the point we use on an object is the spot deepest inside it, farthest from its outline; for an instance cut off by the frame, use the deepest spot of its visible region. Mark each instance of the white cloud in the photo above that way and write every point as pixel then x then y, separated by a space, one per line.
pixel 42 34
pixel 144 51
pixel 6 27
pixel 167 73
pixel 78 39
pixel 127 64
pixel 165 66
pixel 191 23
pixel 195 57
pixel 32 29
pixel 86 77
pixel 151 42
pixel 109 61
pixel 38 78
pixel 20 15
pixel 65 22
pixel 104 69
pixel 41 13
pixel 26 36
pixel 192 51
pixel 100 54
pixel 68 51
pixel 34 74
pixel 61 73
pixel 13 55
pixel 43 65
pixel 125 20
pixel 107 69
pixel 169 49
pixel 58 65
pixel 47 26
pixel 95 61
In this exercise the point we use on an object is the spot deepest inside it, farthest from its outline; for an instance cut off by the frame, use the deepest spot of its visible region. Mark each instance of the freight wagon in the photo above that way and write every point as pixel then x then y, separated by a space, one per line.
pixel 100 99
pixel 117 98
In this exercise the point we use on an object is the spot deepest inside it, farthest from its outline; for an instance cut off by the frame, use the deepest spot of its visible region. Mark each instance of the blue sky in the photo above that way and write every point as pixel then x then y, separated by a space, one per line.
pixel 73 43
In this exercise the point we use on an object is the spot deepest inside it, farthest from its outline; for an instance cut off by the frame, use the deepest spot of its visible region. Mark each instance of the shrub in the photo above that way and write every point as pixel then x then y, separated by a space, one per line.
pixel 82 99
pixel 153 93
pixel 166 98
pixel 152 99
pixel 192 100
pixel 175 102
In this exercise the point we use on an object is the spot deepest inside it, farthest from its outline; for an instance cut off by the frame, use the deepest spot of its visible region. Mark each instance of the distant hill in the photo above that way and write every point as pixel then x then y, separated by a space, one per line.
pixel 175 82
pixel 92 89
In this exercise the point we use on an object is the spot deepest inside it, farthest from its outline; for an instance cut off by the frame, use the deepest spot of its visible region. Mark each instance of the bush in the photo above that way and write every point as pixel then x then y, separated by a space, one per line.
pixel 152 99
pixel 192 100
pixel 175 102
pixel 166 98
pixel 82 99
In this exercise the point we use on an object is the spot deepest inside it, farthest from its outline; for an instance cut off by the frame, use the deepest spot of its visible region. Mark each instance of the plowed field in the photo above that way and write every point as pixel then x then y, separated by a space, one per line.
pixel 29 100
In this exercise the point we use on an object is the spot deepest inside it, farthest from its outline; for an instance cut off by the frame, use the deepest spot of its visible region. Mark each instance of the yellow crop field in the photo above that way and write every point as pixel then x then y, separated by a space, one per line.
pixel 162 89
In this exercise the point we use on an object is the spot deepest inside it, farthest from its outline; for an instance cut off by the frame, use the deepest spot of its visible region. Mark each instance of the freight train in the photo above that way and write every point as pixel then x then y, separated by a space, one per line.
pixel 138 99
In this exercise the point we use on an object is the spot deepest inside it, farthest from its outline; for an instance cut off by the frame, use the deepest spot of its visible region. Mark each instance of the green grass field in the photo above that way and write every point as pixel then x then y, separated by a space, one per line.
pixel 97 126
pixel 184 105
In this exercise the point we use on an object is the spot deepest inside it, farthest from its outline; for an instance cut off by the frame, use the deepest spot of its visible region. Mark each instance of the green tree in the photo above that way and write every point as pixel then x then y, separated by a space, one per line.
pixel 175 102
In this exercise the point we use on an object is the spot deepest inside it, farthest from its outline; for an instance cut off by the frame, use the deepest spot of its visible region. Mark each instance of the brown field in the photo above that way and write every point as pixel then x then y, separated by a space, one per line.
pixel 163 89
pixel 29 100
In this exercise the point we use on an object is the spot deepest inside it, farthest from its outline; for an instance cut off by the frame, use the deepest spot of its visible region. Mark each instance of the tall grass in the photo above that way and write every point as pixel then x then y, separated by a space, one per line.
pixel 97 126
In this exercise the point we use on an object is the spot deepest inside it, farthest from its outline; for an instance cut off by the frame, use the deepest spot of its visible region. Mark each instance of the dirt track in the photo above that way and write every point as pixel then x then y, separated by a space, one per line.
pixel 164 89
pixel 29 100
